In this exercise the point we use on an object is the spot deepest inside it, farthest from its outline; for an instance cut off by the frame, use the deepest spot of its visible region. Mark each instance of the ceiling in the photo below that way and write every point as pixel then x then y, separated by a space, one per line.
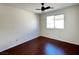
pixel 33 6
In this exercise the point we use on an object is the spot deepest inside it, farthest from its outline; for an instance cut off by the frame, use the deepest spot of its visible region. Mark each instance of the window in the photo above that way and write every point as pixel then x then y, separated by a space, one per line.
pixel 50 22
pixel 56 22
pixel 59 21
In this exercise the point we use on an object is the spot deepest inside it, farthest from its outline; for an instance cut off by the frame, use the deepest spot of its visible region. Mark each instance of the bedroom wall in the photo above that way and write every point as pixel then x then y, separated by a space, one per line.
pixel 71 31
pixel 17 26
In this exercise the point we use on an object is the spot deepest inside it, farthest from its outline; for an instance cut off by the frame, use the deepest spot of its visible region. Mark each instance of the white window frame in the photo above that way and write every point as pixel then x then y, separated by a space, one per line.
pixel 54 22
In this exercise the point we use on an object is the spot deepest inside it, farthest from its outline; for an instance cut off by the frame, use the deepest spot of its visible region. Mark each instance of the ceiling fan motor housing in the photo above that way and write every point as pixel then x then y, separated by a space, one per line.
pixel 42 8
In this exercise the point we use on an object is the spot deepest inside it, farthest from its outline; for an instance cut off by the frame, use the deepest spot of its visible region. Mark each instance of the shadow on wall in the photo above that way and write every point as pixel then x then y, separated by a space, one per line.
pixel 51 49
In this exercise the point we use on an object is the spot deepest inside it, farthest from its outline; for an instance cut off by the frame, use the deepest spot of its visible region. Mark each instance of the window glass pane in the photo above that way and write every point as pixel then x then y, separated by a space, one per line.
pixel 50 22
pixel 59 21
pixel 59 24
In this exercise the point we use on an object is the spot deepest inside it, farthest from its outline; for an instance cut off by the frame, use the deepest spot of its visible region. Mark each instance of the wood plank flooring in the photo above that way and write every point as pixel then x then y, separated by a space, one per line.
pixel 43 46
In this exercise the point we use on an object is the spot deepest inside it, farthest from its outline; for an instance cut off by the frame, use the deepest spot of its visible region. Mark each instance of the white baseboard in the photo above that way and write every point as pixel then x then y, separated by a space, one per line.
pixel 9 45
pixel 61 40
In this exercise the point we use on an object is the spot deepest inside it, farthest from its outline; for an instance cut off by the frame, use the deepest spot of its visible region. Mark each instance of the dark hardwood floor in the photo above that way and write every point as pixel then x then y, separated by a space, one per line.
pixel 43 46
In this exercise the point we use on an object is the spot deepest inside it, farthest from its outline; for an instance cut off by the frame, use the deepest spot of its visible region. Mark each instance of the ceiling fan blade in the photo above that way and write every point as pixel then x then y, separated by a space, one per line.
pixel 51 7
pixel 38 9
pixel 47 7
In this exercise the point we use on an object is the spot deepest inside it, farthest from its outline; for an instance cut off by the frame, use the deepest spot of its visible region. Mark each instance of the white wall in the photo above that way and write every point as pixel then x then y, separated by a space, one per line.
pixel 17 26
pixel 71 31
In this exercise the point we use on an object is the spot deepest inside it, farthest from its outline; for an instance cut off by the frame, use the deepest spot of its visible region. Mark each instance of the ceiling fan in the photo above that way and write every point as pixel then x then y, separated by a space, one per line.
pixel 43 8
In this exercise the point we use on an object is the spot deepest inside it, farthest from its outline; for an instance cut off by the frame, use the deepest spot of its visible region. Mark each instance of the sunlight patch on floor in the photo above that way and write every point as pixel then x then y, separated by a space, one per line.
pixel 51 49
